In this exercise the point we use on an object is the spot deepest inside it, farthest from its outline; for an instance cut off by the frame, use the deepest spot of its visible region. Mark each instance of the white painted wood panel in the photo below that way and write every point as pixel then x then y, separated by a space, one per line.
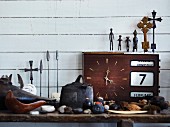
pixel 66 60
pixel 77 26
pixel 164 78
pixel 20 60
pixel 85 8
pixel 164 92
pixel 21 43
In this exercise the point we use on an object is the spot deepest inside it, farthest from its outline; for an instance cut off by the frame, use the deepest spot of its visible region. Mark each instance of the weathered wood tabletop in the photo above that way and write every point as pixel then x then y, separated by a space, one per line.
pixel 122 119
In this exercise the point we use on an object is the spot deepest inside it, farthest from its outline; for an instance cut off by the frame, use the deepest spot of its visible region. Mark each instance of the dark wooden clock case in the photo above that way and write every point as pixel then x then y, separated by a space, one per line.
pixel 122 78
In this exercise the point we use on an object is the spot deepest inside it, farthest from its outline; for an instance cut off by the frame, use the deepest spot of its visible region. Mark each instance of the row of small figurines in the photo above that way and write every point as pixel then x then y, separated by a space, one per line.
pixel 127 41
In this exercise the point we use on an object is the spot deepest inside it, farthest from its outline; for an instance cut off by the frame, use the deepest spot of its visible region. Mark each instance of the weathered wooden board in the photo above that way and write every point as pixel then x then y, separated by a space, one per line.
pixel 85 8
pixel 61 26
pixel 31 43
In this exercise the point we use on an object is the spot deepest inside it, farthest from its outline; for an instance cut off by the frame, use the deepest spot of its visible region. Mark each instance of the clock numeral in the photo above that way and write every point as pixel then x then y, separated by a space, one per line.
pixel 115 94
pixel 122 69
pixel 122 87
pixel 98 62
pixel 143 78
pixel 91 69
pixel 124 78
pixel 88 77
pixel 107 60
pixel 98 94
pixel 106 96
pixel 115 63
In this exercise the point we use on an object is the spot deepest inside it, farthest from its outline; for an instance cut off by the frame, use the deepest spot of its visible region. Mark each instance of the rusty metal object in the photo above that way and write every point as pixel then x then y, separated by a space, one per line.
pixel 17 107
pixel 144 25
pixel 153 45
pixel 31 69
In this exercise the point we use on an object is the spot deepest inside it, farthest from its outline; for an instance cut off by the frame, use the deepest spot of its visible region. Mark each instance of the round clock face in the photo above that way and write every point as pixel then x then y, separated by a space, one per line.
pixel 108 76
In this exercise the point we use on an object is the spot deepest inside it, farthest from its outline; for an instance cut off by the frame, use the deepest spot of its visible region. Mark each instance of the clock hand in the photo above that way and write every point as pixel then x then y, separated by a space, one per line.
pixel 107 72
pixel 106 78
pixel 111 81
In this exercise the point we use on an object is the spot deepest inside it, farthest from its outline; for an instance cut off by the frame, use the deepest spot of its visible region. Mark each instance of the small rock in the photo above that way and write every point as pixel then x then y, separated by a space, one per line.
pixel 98 108
pixel 87 104
pixel 47 108
pixel 87 111
pixel 78 110
pixel 61 109
pixel 68 110
pixel 114 106
pixel 106 107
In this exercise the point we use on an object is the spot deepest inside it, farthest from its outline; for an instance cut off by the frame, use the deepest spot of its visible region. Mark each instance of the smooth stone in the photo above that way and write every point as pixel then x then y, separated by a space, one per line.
pixel 87 111
pixel 68 110
pixel 106 107
pixel 61 109
pixel 78 110
pixel 48 108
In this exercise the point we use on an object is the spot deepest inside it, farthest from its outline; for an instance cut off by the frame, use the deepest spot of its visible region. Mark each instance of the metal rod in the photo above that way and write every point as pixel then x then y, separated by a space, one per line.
pixel 31 76
pixel 57 68
pixel 48 58
pixel 41 67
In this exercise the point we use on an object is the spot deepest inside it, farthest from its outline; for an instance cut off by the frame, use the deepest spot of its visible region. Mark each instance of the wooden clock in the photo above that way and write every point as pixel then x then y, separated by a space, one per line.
pixel 122 77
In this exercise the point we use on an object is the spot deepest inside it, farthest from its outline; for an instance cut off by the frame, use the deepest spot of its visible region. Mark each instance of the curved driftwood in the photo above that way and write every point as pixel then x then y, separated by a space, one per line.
pixel 17 107
pixel 21 95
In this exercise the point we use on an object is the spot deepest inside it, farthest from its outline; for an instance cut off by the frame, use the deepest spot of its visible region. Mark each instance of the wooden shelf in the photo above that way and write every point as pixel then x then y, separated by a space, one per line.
pixel 89 118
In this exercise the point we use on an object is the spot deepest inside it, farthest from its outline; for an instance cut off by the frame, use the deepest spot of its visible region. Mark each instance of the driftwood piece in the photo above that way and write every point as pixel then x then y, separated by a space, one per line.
pixel 17 107
pixel 21 95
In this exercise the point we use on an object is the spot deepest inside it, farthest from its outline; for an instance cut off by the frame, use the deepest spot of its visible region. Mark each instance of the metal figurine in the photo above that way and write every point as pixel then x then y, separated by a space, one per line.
pixel 144 25
pixel 48 58
pixel 127 43
pixel 119 40
pixel 41 68
pixel 31 70
pixel 111 37
pixel 153 45
pixel 135 41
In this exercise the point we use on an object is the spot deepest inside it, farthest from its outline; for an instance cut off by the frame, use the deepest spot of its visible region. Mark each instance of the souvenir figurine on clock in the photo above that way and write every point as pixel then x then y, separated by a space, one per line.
pixel 119 42
pixel 121 77
pixel 111 37
pixel 127 43
pixel 135 41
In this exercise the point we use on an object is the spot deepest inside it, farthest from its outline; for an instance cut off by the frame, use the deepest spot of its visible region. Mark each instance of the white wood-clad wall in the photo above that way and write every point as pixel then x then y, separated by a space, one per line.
pixel 28 28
